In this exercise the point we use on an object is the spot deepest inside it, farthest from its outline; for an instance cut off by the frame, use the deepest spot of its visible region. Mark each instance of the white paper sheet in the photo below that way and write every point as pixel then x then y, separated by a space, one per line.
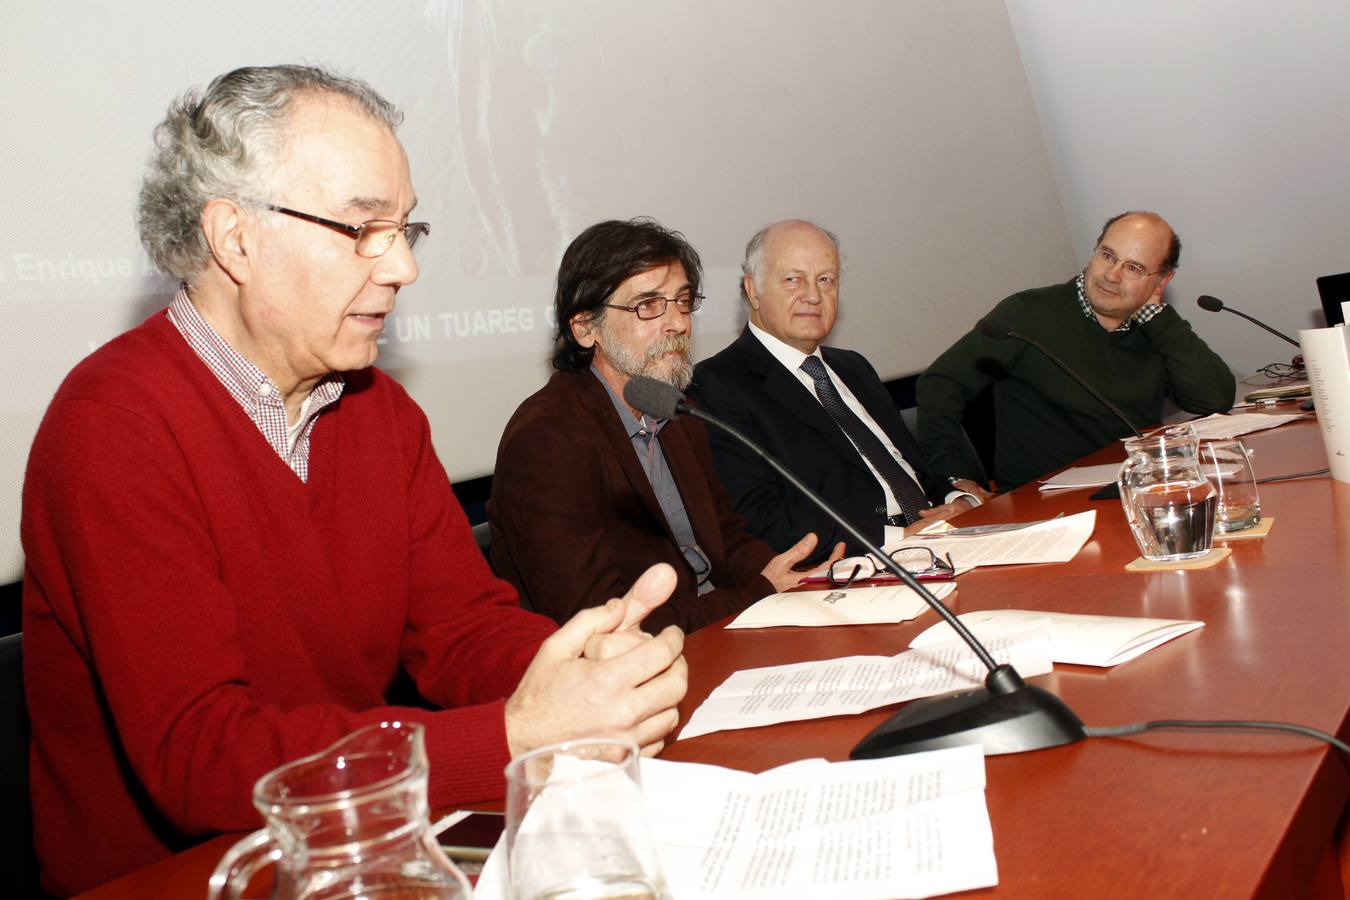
pixel 853 684
pixel 840 606
pixel 1052 541
pixel 909 826
pixel 1082 477
pixel 1225 427
pixel 1077 639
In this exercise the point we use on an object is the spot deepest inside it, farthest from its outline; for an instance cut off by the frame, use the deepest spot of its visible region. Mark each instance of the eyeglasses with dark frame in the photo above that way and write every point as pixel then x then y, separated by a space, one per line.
pixel 921 562
pixel 373 237
pixel 655 307
pixel 1129 267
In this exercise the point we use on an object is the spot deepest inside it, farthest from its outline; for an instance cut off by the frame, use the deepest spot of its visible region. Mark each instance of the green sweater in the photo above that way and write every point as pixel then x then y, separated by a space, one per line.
pixel 1043 419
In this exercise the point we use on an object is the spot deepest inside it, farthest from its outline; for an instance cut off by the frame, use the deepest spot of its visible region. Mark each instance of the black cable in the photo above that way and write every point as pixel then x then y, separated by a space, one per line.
pixel 1279 372
pixel 1141 727
pixel 1270 478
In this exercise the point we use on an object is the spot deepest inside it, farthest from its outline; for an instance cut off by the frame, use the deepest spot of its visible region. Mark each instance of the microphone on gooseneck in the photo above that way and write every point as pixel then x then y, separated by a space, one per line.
pixel 1007 715
pixel 1214 304
pixel 1001 331
pixel 655 398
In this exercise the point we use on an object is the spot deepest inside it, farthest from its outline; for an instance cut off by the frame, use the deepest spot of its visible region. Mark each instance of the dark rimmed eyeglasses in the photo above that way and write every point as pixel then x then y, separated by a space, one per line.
pixel 655 307
pixel 921 562
pixel 373 238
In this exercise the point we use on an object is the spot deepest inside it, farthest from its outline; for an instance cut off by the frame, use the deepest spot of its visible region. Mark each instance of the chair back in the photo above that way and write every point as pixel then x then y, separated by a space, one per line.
pixel 18 861
pixel 975 468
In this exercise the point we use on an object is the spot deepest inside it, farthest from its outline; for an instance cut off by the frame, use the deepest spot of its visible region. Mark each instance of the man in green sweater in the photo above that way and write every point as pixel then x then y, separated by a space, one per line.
pixel 1110 325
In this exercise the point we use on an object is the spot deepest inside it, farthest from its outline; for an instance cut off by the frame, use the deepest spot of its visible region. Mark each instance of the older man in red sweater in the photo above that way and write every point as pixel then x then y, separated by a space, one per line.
pixel 237 531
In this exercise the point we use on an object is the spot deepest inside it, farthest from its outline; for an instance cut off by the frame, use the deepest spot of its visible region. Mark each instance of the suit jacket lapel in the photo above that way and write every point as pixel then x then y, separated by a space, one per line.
pixel 880 408
pixel 785 389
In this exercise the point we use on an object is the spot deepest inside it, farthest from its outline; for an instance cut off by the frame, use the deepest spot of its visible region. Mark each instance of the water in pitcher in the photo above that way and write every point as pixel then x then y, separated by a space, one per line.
pixel 1176 519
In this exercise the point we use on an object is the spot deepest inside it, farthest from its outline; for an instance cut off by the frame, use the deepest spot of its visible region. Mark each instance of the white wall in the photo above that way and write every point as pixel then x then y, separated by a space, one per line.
pixel 1229 117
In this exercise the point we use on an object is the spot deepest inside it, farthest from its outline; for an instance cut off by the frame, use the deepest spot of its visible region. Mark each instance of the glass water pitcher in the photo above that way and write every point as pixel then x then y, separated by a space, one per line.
pixel 351 821
pixel 1168 502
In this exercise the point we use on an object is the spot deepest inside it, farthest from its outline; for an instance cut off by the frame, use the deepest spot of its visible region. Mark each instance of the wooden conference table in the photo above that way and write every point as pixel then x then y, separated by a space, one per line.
pixel 1165 814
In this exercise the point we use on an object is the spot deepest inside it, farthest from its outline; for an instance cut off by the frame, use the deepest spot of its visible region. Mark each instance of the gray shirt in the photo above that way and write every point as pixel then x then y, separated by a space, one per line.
pixel 647 446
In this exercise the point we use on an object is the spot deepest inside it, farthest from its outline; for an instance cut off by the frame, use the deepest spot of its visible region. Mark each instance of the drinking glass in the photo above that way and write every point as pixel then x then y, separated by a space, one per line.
pixel 576 826
pixel 1228 466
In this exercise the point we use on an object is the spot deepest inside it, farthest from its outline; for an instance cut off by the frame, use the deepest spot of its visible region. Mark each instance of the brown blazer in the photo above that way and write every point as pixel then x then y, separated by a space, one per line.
pixel 575 520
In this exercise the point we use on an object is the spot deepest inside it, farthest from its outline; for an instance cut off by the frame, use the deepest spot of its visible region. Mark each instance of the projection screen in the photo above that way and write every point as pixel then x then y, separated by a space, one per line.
pixel 905 126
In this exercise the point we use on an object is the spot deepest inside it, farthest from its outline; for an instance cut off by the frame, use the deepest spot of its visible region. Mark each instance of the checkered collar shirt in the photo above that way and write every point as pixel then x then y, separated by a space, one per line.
pixel 1141 315
pixel 252 389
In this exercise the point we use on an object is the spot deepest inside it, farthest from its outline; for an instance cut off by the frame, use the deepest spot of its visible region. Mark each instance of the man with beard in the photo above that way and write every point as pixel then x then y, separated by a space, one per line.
pixel 1110 325
pixel 588 491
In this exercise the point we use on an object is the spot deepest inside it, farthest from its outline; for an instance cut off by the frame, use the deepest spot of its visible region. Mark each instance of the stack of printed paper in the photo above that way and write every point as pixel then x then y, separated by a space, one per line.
pixel 1074 638
pixel 908 826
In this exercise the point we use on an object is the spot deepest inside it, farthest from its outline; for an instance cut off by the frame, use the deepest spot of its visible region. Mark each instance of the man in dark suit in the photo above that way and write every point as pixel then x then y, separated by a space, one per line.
pixel 587 491
pixel 823 412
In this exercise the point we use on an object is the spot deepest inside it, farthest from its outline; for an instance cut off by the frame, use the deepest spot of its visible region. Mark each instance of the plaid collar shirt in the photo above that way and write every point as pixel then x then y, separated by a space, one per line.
pixel 1141 315
pixel 252 389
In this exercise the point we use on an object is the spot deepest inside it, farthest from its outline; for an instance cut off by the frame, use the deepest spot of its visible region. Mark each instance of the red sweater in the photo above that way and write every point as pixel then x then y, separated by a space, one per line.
pixel 195 615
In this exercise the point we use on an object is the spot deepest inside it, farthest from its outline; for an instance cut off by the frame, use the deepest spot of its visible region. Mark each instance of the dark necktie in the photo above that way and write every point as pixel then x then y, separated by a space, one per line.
pixel 907 492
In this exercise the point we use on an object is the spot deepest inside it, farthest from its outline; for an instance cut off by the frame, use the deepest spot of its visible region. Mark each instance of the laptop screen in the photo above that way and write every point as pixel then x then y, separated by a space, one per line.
pixel 1335 290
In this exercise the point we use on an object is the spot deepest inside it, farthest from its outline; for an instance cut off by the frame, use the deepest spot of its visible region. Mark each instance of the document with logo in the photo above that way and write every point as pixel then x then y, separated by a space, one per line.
pixel 1074 638
pixel 852 684
pixel 841 606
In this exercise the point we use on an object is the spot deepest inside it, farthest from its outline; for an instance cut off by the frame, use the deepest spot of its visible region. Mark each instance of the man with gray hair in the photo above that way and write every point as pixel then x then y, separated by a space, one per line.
pixel 822 411
pixel 238 535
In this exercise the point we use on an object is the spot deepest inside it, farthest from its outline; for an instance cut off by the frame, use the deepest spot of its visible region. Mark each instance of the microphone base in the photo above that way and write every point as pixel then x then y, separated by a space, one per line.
pixel 1028 718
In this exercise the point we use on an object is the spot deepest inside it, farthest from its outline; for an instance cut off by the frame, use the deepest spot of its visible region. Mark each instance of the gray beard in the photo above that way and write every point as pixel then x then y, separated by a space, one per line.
pixel 650 364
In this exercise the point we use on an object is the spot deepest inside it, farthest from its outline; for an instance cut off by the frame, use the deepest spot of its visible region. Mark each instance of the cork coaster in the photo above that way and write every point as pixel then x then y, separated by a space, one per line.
pixel 1259 530
pixel 1212 558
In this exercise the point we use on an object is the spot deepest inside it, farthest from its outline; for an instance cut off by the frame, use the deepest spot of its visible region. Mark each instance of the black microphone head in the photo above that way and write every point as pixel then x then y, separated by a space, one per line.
pixel 653 397
pixel 993 328
pixel 1213 304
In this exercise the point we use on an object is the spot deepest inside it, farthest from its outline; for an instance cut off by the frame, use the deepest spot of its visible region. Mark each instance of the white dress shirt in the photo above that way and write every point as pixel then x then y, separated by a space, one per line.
pixel 792 358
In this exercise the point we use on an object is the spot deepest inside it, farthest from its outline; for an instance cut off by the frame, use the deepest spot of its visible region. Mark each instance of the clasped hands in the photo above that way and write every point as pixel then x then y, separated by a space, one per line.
pixel 600 675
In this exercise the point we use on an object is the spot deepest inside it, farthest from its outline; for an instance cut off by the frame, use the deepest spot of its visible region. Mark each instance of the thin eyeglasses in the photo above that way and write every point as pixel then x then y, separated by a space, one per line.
pixel 1131 269
pixel 373 237
pixel 655 307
